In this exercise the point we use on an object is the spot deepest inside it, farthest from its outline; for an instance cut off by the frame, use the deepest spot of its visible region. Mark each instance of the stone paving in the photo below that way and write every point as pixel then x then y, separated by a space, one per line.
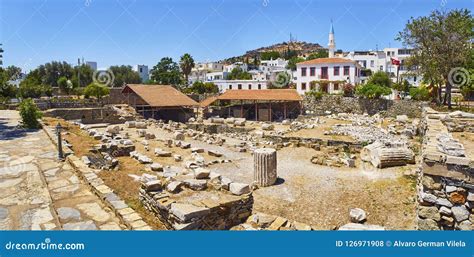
pixel 37 192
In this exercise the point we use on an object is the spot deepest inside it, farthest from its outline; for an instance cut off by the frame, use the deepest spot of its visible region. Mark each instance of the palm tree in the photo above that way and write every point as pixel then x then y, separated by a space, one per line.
pixel 186 63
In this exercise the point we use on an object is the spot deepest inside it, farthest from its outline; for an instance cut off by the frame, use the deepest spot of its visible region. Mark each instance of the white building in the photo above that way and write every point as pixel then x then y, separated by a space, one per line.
pixel 208 66
pixel 368 60
pixel 143 72
pixel 201 70
pixel 93 65
pixel 382 61
pixel 230 67
pixel 400 54
pixel 225 85
pixel 326 74
pixel 218 75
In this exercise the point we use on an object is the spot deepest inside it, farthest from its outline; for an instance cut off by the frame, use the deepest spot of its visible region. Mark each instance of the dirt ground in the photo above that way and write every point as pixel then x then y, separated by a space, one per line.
pixel 467 139
pixel 322 196
pixel 122 184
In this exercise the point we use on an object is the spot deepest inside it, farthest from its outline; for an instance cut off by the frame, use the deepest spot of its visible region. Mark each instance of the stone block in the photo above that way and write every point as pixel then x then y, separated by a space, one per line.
pixel 239 188
pixel 186 212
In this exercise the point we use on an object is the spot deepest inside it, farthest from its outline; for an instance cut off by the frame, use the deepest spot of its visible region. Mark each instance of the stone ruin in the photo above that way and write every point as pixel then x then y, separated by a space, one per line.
pixel 103 155
pixel 445 182
pixel 197 201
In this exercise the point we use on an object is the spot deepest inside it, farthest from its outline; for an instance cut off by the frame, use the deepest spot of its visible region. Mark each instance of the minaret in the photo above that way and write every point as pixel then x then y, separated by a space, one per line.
pixel 332 43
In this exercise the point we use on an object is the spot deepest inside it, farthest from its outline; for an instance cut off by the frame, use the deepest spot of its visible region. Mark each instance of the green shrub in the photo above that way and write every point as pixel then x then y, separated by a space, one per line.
pixel 96 90
pixel 316 94
pixel 30 114
pixel 420 93
pixel 372 91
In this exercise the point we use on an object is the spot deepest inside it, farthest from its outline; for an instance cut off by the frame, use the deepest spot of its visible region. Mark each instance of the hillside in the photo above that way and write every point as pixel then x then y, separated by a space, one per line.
pixel 300 47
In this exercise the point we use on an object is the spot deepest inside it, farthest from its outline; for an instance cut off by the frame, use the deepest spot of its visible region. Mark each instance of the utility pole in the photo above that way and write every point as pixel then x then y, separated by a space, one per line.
pixel 1 55
pixel 79 72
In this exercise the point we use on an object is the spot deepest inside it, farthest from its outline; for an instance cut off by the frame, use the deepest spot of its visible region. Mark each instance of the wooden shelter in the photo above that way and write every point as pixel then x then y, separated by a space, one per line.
pixel 259 105
pixel 159 102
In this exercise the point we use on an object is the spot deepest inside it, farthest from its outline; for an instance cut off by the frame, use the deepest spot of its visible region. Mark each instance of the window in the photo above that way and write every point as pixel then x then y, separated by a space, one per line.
pixel 336 70
pixel 259 86
pixel 346 70
pixel 324 72
pixel 141 70
pixel 239 86
pixel 250 86
pixel 381 67
pixel 230 86
pixel 372 63
pixel 303 86
pixel 303 72
pixel 312 71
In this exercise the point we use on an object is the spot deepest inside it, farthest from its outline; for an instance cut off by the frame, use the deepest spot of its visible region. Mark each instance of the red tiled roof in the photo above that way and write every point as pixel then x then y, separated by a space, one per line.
pixel 160 95
pixel 327 60
pixel 208 101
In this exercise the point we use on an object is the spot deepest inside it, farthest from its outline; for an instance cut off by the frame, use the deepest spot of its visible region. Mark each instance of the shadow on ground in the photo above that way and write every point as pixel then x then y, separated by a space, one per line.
pixel 10 132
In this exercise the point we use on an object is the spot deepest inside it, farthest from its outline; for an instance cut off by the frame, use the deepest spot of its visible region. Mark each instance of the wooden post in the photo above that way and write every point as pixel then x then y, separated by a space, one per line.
pixel 284 110
pixel 256 111
pixel 265 166
pixel 270 111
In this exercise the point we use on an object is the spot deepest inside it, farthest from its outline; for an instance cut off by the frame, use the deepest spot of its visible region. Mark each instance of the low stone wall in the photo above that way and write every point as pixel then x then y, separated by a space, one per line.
pixel 340 104
pixel 211 211
pixel 87 115
pixel 218 128
pixel 315 143
pixel 445 182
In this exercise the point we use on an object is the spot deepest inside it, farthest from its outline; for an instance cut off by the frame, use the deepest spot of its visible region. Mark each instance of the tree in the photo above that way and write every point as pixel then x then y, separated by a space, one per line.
pixel 372 91
pixel 65 85
pixel 380 78
pixel 200 87
pixel 293 61
pixel 32 86
pixel 96 90
pixel 403 86
pixel 7 90
pixel 186 63
pixel 238 74
pixel 30 114
pixel 419 93
pixel 441 43
pixel 269 55
pixel 321 53
pixel 82 76
pixel 13 72
pixel 166 72
pixel 49 73
pixel 124 74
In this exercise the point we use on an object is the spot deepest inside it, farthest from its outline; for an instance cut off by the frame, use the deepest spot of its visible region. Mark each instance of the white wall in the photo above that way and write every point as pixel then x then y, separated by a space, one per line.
pixel 352 78
pixel 224 85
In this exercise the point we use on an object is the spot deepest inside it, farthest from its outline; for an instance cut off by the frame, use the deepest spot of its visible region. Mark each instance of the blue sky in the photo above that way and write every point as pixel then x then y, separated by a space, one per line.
pixel 114 32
